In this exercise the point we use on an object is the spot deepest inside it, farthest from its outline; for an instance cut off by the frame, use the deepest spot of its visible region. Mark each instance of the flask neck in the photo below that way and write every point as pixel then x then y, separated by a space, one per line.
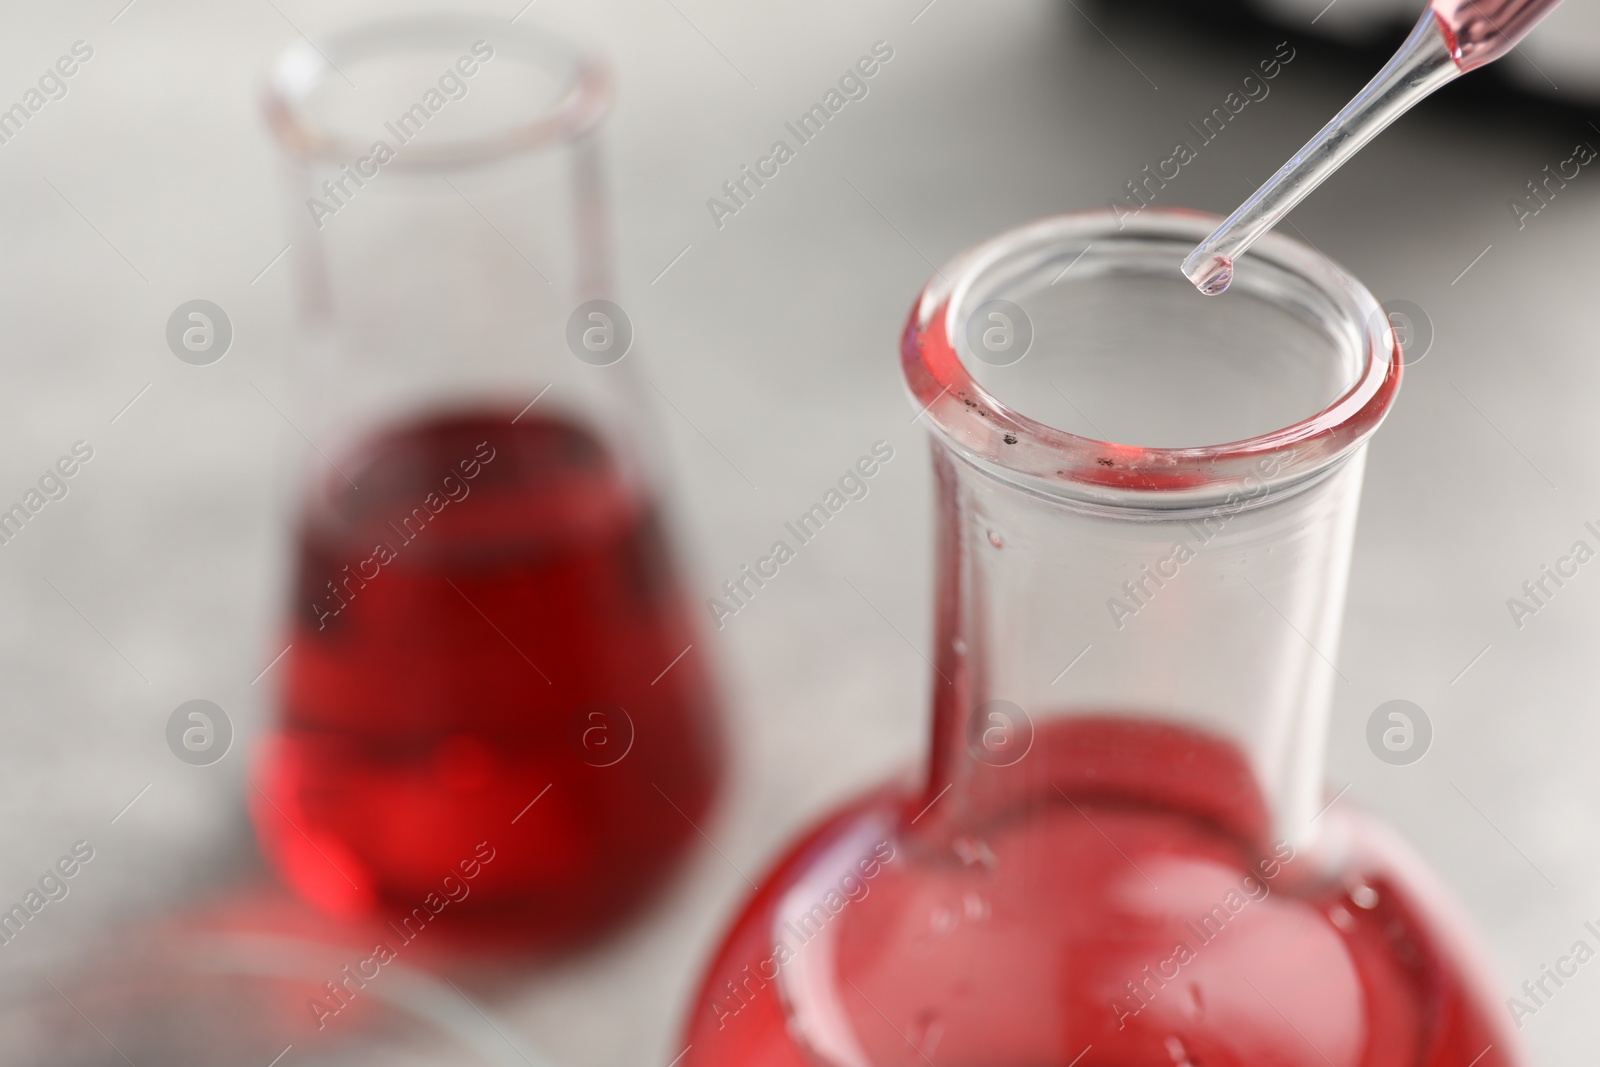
pixel 1177 659
pixel 1153 624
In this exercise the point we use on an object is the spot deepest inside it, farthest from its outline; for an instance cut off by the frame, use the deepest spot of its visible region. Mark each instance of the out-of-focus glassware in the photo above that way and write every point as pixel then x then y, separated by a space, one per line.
pixel 491 674
pixel 199 1000
pixel 1121 851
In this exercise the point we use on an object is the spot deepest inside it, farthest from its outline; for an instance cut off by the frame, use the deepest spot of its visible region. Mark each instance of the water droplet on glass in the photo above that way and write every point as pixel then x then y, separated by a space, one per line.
pixel 974 850
pixel 1210 274
pixel 927 1026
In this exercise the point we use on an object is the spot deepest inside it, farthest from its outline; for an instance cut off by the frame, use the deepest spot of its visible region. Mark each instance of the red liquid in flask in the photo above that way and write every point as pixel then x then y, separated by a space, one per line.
pixel 481 642
pixel 1119 904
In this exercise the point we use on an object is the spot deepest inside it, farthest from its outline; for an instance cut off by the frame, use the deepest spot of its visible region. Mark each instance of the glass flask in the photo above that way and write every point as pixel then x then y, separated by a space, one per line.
pixel 1121 851
pixel 489 652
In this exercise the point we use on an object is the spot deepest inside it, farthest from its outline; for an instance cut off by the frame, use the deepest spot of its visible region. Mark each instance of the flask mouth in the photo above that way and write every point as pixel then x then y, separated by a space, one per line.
pixel 1275 388
pixel 411 83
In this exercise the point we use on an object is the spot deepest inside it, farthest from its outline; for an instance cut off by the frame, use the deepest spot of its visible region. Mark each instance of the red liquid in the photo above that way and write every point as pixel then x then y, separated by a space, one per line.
pixel 506 594
pixel 1014 943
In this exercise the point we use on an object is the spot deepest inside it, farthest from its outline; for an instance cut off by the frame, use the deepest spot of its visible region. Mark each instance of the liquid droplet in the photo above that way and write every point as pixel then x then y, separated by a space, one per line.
pixel 1364 896
pixel 1211 274
pixel 974 851
pixel 926 1030
pixel 996 540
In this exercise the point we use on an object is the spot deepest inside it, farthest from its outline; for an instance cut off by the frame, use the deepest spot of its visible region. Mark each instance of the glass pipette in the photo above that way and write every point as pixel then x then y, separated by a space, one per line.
pixel 1452 38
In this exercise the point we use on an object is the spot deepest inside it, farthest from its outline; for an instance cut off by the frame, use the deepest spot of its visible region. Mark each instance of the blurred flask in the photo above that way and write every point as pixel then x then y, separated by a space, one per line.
pixel 489 652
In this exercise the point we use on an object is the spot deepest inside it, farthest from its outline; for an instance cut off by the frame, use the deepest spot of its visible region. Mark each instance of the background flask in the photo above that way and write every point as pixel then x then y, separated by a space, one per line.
pixel 1122 851
pixel 490 662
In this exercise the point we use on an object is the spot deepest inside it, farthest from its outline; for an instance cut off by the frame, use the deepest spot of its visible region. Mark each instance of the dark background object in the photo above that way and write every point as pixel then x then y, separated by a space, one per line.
pixel 1494 91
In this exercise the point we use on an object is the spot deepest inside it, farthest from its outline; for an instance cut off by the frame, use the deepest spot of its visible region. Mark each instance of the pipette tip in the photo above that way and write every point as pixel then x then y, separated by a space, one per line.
pixel 1210 273
pixel 1451 37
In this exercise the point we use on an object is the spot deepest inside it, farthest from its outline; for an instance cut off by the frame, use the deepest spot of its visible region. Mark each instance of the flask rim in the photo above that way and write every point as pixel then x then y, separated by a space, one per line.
pixel 1051 462
pixel 578 107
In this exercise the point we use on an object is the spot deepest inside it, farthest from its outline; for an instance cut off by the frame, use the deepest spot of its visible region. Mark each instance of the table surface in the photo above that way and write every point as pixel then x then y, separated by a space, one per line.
pixel 157 579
